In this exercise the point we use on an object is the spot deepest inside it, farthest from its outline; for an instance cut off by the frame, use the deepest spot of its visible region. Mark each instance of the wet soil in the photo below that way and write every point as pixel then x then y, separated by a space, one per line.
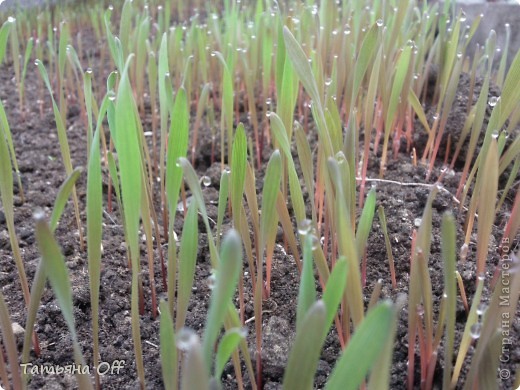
pixel 42 171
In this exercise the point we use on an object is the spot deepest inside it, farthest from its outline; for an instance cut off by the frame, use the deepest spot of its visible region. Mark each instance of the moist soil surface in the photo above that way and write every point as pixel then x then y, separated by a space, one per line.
pixel 42 172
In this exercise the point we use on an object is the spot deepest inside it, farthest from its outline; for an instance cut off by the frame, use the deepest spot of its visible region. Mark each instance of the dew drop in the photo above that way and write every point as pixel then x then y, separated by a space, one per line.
pixel 243 332
pixel 463 17
pixel 475 330
pixel 186 339
pixel 417 222
pixel 39 215
pixel 11 19
pixel 328 82
pixel 89 71
pixel 494 134
pixel 206 181
pixel 304 227
pixel 315 242
pixel 481 309
pixel 211 281
pixel 493 101
pixel 379 22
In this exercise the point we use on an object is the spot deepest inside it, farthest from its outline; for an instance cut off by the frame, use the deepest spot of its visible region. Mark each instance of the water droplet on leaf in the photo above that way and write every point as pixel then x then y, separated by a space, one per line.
pixel 304 226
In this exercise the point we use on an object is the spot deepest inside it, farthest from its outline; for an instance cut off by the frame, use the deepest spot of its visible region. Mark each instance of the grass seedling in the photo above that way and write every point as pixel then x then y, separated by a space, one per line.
pixel 56 271
pixel 357 359
pixel 6 194
pixel 187 257
pixel 168 348
pixel 9 342
pixel 268 227
pixel 26 58
pixel 127 145
pixel 364 227
pixel 64 145
pixel 95 229
pixel 177 148
pixel 420 302
pixel 4 34
pixel 450 292
pixel 382 220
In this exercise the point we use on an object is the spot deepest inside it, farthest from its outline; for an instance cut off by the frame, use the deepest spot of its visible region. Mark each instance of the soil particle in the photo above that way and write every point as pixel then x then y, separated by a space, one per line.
pixel 278 339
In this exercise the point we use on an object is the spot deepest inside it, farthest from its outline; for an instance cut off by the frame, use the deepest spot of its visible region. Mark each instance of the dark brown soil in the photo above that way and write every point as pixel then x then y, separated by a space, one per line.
pixel 42 172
